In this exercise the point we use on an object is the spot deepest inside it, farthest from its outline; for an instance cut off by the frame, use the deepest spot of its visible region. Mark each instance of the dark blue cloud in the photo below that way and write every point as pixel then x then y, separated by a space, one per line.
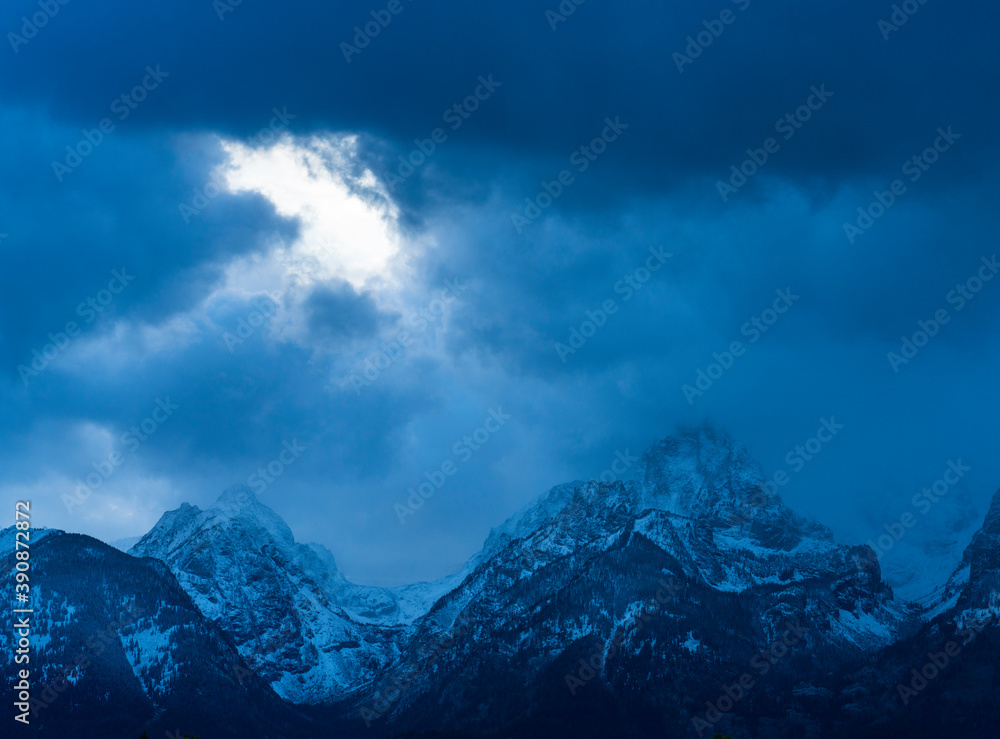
pixel 338 312
pixel 557 85
pixel 118 210
pixel 295 375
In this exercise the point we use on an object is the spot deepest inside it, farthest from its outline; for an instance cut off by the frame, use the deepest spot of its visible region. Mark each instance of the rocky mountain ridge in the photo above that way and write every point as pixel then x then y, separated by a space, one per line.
pixel 639 608
pixel 292 614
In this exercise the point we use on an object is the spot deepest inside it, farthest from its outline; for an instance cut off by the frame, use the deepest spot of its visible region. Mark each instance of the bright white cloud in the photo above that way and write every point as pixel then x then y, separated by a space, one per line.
pixel 348 231
pixel 348 224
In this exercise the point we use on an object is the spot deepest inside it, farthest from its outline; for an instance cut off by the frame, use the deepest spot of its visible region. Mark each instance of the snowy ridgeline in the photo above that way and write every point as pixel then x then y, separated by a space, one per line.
pixel 582 568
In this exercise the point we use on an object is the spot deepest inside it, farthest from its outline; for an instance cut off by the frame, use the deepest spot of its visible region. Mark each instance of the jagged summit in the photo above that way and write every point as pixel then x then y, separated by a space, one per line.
pixel 697 471
pixel 129 649
pixel 688 473
pixel 237 497
pixel 240 505
pixel 294 617
pixel 236 509
pixel 569 570
pixel 559 582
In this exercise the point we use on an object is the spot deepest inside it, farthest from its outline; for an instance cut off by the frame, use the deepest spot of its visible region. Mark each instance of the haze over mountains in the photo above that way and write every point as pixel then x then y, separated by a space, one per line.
pixel 682 601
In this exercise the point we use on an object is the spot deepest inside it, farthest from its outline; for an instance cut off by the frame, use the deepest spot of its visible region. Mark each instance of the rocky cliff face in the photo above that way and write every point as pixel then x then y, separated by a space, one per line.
pixel 683 600
pixel 570 577
pixel 941 680
pixel 980 567
pixel 118 647
pixel 294 617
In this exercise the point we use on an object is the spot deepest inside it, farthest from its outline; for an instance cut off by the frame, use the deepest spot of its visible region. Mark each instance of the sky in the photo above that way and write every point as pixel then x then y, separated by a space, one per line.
pixel 490 248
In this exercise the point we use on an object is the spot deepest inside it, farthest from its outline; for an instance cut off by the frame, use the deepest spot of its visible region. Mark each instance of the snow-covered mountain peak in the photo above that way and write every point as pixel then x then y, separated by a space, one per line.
pixel 237 515
pixel 697 472
pixel 700 474
pixel 236 498
pixel 292 614
pixel 240 506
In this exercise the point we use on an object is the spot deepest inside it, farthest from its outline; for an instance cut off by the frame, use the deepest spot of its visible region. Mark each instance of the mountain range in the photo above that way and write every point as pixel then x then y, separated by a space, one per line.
pixel 684 602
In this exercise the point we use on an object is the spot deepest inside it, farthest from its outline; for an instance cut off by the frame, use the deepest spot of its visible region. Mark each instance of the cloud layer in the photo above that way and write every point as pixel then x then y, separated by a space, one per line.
pixel 366 253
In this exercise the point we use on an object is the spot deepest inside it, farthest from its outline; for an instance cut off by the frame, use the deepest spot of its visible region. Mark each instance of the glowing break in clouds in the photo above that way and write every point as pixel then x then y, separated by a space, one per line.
pixel 347 220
